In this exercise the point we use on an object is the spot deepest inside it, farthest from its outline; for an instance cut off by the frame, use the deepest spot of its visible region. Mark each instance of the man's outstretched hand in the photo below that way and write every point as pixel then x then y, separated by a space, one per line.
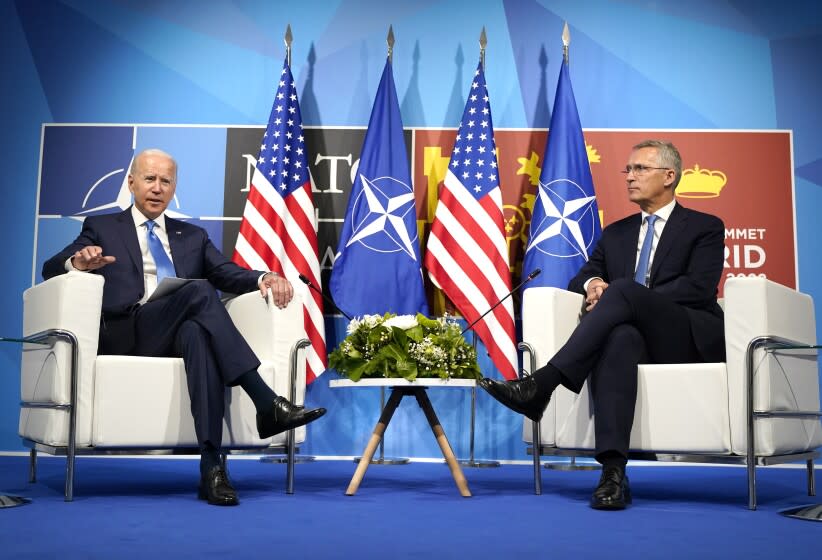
pixel 90 258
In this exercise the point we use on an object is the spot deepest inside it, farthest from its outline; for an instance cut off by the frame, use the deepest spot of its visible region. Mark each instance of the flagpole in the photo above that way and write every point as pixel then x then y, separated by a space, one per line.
pixel 483 42
pixel 471 461
pixel 390 41
pixel 572 464
pixel 288 39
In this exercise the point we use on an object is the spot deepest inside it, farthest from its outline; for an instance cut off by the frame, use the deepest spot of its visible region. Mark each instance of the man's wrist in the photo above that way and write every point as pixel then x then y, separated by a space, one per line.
pixel 588 282
pixel 263 275
pixel 69 265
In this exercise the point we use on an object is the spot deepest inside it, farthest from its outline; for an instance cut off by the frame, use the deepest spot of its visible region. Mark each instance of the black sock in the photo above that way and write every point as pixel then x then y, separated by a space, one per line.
pixel 209 457
pixel 548 378
pixel 261 394
pixel 612 459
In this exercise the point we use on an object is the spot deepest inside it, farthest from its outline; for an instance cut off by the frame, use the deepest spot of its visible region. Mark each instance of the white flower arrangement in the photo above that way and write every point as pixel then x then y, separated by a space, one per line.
pixel 406 346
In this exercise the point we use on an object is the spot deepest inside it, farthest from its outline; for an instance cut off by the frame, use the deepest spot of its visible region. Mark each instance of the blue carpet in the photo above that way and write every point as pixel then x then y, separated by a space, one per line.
pixel 147 508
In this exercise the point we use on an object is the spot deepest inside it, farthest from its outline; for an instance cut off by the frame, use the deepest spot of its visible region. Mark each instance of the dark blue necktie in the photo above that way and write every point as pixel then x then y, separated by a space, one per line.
pixel 642 271
pixel 164 265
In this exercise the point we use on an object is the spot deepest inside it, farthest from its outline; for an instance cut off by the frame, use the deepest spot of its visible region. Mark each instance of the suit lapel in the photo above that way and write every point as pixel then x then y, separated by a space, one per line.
pixel 128 233
pixel 177 245
pixel 676 223
pixel 630 243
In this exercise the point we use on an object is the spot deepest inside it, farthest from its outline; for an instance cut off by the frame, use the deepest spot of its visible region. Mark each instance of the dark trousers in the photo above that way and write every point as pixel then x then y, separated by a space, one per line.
pixel 630 324
pixel 192 323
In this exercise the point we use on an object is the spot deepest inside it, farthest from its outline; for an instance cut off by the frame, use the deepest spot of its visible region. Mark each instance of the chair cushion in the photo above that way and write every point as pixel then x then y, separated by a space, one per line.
pixel 143 402
pixel 680 408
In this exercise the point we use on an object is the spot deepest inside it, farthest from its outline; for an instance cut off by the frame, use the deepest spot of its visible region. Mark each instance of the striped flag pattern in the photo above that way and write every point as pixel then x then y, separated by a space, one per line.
pixel 278 231
pixel 467 255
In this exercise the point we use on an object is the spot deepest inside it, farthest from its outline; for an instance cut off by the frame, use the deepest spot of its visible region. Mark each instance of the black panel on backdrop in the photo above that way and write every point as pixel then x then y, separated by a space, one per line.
pixel 333 155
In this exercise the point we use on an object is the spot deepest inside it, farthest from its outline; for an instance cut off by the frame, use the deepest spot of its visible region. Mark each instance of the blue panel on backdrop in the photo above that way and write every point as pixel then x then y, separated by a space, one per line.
pixel 89 74
pixel 52 235
pixel 84 168
pixel 200 155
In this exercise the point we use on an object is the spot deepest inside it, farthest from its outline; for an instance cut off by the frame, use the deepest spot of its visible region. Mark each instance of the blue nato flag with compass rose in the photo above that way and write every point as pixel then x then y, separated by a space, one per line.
pixel 565 223
pixel 377 268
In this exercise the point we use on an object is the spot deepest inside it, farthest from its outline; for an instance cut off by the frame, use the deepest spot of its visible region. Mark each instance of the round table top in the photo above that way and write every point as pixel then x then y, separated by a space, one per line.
pixel 397 382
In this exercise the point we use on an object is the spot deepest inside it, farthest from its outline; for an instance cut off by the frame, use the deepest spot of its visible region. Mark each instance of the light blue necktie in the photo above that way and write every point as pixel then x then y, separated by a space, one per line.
pixel 164 265
pixel 642 270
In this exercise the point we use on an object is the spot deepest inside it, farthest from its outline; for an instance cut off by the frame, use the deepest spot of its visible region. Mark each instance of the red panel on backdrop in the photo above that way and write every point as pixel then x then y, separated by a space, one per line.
pixel 745 178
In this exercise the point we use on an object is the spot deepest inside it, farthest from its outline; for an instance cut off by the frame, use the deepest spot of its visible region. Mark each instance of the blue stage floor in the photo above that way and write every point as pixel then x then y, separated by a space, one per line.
pixel 147 508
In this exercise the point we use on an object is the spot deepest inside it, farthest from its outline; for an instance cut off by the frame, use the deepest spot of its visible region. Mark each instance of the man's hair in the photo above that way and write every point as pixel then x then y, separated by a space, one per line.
pixel 667 156
pixel 152 152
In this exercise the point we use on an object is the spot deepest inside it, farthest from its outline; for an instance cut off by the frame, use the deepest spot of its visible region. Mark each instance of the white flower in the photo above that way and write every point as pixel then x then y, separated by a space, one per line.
pixel 372 321
pixel 353 325
pixel 403 322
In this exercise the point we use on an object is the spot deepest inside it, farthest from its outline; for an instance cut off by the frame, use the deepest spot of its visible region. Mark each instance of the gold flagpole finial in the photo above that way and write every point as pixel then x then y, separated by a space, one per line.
pixel 483 41
pixel 566 40
pixel 289 38
pixel 390 41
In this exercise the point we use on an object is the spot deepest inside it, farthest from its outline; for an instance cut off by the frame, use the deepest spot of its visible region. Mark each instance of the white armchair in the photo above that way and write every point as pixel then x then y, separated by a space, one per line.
pixel 76 402
pixel 699 412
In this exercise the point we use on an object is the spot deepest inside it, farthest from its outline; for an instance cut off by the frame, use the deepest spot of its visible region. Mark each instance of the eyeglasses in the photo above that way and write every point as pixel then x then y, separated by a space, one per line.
pixel 639 169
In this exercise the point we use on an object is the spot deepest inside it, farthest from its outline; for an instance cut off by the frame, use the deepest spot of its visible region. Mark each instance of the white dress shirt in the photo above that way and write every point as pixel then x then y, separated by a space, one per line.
pixel 663 214
pixel 149 266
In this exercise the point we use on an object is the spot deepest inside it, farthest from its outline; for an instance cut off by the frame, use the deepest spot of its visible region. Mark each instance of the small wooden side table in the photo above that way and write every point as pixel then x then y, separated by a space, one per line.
pixel 399 389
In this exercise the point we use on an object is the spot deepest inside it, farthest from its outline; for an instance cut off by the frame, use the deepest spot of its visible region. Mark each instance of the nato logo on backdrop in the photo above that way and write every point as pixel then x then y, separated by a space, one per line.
pixel 84 171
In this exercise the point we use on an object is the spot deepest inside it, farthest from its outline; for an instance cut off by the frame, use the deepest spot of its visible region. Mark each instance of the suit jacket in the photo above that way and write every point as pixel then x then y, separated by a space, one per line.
pixel 686 268
pixel 192 252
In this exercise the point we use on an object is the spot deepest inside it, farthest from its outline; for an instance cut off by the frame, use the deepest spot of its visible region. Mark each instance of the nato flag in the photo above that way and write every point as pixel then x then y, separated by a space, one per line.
pixel 565 223
pixel 377 266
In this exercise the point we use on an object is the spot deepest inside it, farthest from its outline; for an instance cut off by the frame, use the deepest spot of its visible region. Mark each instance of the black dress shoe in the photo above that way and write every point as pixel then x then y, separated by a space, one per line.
pixel 216 488
pixel 521 395
pixel 283 416
pixel 613 491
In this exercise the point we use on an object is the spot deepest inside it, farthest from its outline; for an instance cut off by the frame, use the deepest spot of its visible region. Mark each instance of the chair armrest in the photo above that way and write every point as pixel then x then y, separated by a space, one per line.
pixel 757 307
pixel 549 316
pixel 269 330
pixel 271 333
pixel 69 302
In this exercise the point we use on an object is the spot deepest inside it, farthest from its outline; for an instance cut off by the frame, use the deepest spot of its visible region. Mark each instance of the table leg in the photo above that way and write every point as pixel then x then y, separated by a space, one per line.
pixel 439 433
pixel 376 437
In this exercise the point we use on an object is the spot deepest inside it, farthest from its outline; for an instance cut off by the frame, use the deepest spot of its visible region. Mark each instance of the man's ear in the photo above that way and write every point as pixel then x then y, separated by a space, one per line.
pixel 670 175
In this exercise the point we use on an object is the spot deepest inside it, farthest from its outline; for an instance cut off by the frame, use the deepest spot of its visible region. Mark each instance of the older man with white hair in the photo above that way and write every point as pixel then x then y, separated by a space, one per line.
pixel 133 250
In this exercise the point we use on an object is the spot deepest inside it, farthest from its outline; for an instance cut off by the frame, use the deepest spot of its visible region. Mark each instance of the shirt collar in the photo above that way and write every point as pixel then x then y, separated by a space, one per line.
pixel 140 219
pixel 663 213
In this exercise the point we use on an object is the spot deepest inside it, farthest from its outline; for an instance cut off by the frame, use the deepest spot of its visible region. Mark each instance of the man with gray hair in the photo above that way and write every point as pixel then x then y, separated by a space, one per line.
pixel 133 250
pixel 650 289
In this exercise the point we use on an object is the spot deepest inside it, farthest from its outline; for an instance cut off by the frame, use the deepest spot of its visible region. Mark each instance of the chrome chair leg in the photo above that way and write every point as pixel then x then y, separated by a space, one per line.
pixel 471 461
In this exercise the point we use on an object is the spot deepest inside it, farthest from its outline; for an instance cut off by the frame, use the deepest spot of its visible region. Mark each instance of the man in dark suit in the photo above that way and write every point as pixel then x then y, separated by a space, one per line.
pixel 650 287
pixel 133 250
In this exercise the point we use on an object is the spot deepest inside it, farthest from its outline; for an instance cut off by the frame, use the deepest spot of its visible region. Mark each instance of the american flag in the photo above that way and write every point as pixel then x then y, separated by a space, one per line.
pixel 467 255
pixel 278 231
